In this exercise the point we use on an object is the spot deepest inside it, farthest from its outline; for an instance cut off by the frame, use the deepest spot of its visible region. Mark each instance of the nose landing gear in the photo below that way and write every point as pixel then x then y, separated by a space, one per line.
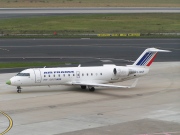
pixel 18 89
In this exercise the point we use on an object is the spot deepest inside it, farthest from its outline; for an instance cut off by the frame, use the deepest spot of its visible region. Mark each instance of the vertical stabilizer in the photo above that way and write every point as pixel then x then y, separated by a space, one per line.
pixel 148 56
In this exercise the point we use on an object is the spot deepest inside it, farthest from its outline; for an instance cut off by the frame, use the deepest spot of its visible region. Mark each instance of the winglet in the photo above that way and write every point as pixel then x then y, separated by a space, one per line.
pixel 134 84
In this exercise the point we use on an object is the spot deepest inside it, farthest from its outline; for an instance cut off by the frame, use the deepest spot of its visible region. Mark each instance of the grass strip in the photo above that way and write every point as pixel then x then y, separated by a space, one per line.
pixel 89 3
pixel 31 64
pixel 93 23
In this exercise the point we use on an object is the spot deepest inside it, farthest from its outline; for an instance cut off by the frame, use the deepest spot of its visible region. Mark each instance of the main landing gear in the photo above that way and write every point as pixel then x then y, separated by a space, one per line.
pixel 83 87
pixel 18 89
pixel 91 89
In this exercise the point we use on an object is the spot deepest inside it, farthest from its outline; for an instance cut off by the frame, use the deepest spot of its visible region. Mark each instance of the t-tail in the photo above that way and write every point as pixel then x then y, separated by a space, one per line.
pixel 147 57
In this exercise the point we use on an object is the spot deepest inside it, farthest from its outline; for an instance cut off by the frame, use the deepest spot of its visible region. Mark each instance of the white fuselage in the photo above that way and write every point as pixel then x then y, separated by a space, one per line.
pixel 89 77
pixel 66 76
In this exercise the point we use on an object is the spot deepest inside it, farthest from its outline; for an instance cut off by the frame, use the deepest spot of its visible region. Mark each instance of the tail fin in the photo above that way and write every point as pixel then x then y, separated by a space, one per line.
pixel 148 56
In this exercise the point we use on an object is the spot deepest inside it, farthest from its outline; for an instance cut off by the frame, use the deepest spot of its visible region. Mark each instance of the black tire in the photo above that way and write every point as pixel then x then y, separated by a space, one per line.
pixel 18 91
pixel 92 89
pixel 83 87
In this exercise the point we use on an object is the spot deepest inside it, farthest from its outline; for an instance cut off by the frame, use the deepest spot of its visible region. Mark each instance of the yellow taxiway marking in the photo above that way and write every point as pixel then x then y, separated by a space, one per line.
pixel 10 122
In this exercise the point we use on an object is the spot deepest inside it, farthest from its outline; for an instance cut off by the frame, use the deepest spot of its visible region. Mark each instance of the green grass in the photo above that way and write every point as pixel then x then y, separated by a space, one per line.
pixel 96 23
pixel 89 3
pixel 29 64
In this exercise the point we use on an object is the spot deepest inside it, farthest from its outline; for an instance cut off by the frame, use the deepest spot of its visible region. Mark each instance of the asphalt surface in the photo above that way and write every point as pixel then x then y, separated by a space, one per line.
pixel 87 52
pixel 128 49
pixel 26 12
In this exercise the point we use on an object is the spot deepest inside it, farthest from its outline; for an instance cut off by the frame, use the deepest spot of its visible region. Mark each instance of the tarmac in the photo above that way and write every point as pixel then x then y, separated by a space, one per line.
pixel 8 12
pixel 151 108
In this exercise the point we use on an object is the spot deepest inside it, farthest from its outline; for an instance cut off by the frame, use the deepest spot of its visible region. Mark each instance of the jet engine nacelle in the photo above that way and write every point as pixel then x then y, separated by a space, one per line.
pixel 120 71
pixel 124 71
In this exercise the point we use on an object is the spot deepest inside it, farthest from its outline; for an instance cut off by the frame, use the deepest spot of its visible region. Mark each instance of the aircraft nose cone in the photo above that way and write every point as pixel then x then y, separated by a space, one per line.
pixel 8 82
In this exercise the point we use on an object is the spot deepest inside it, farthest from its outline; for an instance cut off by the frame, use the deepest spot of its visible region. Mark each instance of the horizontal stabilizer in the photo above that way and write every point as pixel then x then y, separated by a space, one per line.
pixel 157 50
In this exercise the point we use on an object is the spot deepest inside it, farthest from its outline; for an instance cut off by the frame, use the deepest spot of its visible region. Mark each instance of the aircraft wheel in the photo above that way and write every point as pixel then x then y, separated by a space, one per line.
pixel 92 89
pixel 83 87
pixel 18 91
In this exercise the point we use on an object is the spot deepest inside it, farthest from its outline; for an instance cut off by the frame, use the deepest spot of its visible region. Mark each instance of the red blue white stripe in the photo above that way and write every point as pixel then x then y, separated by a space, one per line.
pixel 147 59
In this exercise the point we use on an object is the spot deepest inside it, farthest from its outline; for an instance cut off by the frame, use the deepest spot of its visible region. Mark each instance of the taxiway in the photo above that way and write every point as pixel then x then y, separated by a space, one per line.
pixel 152 107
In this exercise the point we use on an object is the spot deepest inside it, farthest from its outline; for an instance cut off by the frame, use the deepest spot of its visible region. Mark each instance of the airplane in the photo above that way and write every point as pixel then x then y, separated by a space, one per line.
pixel 86 77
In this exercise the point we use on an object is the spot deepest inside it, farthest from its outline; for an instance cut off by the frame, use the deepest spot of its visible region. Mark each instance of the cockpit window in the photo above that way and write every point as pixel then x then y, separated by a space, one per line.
pixel 23 74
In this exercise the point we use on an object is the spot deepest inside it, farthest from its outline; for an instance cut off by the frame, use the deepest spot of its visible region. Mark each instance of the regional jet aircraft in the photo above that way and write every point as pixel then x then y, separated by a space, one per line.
pixel 86 77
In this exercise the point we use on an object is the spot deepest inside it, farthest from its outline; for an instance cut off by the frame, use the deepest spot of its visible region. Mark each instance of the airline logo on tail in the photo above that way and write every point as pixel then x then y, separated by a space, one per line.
pixel 148 56
pixel 147 59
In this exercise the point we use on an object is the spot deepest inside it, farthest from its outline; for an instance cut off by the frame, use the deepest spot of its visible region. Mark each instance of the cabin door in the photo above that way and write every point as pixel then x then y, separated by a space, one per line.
pixel 37 75
pixel 77 74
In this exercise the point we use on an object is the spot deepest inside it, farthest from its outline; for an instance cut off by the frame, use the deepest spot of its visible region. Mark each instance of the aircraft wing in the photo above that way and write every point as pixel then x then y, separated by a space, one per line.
pixel 105 85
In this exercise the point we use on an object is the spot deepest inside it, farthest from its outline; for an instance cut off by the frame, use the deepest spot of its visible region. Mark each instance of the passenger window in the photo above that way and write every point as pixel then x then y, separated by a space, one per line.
pixel 100 73
pixel 87 74
pixel 54 75
pixel 91 74
pixel 82 74
pixel 44 75
pixel 59 75
pixel 68 74
pixel 73 75
pixel 49 76
pixel 64 75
